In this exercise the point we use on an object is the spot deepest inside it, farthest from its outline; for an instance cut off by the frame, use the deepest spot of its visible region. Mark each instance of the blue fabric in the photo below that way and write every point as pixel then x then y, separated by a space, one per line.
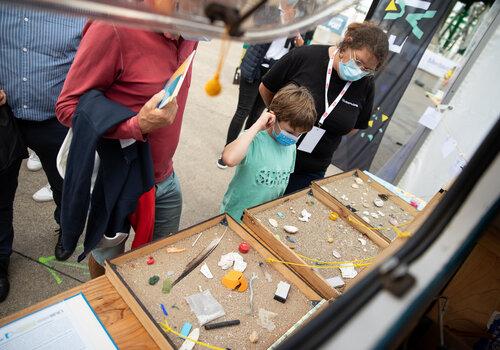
pixel 36 51
pixel 124 174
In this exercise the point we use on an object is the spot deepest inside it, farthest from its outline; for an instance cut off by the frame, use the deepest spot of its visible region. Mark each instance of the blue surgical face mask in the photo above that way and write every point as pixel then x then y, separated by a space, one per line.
pixel 350 71
pixel 284 138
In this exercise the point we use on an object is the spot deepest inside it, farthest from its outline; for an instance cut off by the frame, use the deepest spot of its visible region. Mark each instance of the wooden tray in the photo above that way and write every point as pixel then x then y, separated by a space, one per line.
pixel 318 188
pixel 144 315
pixel 267 238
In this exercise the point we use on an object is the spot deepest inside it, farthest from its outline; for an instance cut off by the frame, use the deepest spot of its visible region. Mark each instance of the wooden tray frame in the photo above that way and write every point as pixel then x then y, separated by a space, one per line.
pixel 335 203
pixel 159 336
pixel 267 238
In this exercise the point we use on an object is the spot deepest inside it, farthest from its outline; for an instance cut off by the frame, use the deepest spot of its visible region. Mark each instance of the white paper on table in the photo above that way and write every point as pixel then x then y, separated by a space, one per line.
pixel 311 140
pixel 69 324
pixel 431 118
pixel 448 146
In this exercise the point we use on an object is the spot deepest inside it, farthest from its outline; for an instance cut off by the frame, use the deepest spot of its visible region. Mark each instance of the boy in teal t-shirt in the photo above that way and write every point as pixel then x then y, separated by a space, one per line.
pixel 265 153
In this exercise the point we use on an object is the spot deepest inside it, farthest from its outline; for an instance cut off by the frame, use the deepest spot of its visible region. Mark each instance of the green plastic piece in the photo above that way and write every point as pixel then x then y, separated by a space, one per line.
pixel 167 286
pixel 153 280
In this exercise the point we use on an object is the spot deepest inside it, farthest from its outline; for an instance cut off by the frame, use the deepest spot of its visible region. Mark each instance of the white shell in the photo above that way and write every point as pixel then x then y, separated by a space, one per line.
pixel 366 213
pixel 393 221
pixel 290 229
pixel 273 223
pixel 336 254
pixel 380 213
pixel 365 205
pixel 374 215
pixel 358 180
pixel 378 203
pixel 365 219
pixel 355 186
pixel 362 241
pixel 305 213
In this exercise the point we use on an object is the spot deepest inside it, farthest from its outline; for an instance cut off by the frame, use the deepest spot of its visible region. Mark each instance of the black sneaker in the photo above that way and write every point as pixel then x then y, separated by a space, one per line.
pixel 4 278
pixel 221 164
pixel 59 251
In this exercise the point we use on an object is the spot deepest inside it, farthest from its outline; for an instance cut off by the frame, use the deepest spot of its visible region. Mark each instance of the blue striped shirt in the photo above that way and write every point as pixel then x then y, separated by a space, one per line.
pixel 36 51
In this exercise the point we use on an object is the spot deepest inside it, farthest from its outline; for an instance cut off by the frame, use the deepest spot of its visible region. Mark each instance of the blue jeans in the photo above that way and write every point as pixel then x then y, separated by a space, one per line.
pixel 299 181
pixel 168 208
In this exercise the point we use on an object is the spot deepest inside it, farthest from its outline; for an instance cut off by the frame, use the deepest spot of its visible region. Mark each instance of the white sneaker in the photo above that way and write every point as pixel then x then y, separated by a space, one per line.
pixel 44 194
pixel 33 162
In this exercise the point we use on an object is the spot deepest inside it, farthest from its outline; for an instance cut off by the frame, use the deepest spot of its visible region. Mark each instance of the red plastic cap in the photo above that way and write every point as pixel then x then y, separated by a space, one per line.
pixel 244 247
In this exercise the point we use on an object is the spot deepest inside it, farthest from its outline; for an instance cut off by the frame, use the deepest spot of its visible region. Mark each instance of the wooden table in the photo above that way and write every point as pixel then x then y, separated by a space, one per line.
pixel 121 323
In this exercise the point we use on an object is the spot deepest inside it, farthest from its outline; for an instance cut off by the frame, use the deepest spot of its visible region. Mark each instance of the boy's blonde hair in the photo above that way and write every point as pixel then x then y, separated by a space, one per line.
pixel 295 105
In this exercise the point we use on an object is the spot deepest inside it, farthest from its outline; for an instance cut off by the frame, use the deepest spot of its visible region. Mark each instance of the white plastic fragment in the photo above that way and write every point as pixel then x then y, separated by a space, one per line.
pixel 240 265
pixel 336 254
pixel 227 260
pixel 188 344
pixel 348 270
pixel 305 215
pixel 273 222
pixel 206 271
pixel 266 319
pixel 335 281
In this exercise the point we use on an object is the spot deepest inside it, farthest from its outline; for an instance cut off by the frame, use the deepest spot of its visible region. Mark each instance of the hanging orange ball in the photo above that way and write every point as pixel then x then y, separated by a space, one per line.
pixel 213 87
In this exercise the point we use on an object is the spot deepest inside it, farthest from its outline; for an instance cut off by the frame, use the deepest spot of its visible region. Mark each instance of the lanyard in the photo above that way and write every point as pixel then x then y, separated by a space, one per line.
pixel 329 108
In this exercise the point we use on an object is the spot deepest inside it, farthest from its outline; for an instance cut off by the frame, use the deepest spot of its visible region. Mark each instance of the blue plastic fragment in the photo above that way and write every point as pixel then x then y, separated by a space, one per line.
pixel 186 328
pixel 164 309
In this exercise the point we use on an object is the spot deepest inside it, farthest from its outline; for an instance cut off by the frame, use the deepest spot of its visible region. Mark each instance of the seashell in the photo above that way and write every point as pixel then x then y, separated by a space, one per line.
pixel 365 205
pixel 359 181
pixel 366 213
pixel 374 215
pixel 290 229
pixel 393 222
pixel 273 223
pixel 380 213
pixel 378 203
pixel 362 241
pixel 355 186
pixel 336 254
pixel 365 219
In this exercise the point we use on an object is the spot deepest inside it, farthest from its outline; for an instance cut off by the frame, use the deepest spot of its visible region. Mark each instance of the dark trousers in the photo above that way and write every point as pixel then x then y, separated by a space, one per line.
pixel 250 107
pixel 45 138
pixel 299 181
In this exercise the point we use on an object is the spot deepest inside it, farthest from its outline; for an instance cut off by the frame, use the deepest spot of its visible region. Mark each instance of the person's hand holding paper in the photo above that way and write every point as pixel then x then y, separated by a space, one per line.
pixel 150 117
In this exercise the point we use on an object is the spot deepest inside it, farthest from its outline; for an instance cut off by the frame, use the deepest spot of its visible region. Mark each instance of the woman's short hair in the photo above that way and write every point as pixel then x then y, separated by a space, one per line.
pixel 295 105
pixel 366 35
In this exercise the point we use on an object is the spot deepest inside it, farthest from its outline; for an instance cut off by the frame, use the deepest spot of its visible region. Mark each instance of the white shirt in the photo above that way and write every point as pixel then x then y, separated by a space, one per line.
pixel 276 50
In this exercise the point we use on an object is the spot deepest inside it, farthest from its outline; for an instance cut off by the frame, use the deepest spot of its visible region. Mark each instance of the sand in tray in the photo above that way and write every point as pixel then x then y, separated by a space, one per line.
pixel 312 238
pixel 362 197
pixel 236 305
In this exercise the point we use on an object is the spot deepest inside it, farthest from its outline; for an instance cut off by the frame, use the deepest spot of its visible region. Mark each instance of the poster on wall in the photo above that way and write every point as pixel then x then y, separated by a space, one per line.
pixel 410 26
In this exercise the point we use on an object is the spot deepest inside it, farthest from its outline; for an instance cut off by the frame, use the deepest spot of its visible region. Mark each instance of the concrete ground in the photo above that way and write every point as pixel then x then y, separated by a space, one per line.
pixel 206 120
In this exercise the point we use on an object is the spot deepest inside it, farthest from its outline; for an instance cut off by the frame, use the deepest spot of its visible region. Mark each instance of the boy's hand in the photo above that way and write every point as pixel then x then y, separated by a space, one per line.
pixel 298 41
pixel 3 97
pixel 151 118
pixel 265 121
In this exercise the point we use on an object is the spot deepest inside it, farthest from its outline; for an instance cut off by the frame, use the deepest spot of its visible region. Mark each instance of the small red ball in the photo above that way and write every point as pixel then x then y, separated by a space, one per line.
pixel 244 247
pixel 150 261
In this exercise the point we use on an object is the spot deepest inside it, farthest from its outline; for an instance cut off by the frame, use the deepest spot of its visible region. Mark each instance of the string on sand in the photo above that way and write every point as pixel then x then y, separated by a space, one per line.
pixel 166 327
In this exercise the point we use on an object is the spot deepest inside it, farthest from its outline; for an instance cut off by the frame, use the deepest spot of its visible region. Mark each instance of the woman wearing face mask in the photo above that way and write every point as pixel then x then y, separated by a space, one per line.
pixel 340 79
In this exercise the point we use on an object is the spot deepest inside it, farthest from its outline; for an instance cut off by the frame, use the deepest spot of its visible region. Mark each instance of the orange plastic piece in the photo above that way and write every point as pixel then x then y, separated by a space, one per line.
pixel 235 280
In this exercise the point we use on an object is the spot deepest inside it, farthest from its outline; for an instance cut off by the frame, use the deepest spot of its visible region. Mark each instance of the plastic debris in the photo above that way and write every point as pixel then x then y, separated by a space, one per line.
pixel 240 265
pixel 266 319
pixel 153 280
pixel 280 215
pixel 244 247
pixel 175 250
pixel 291 239
pixel 167 286
pixel 150 260
pixel 188 344
pixel 305 216
pixel 206 271
pixel 348 270
pixel 227 260
pixel 333 216
pixel 335 281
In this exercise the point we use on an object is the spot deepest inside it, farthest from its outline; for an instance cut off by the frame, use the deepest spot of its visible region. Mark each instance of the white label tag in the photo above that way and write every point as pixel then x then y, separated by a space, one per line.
pixel 311 140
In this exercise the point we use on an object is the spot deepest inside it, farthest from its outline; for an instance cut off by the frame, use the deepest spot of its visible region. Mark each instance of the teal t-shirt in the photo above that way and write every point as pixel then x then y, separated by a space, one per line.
pixel 260 177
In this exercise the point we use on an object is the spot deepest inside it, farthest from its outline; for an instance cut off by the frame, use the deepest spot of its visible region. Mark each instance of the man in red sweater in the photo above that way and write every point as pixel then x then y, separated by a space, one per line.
pixel 131 66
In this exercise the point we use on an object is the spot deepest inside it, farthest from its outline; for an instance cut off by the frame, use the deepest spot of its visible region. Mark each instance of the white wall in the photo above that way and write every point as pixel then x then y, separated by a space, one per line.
pixel 476 107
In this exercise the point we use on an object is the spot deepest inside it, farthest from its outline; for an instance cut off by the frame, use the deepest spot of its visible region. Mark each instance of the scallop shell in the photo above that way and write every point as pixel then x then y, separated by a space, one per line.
pixel 290 229
pixel 273 223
